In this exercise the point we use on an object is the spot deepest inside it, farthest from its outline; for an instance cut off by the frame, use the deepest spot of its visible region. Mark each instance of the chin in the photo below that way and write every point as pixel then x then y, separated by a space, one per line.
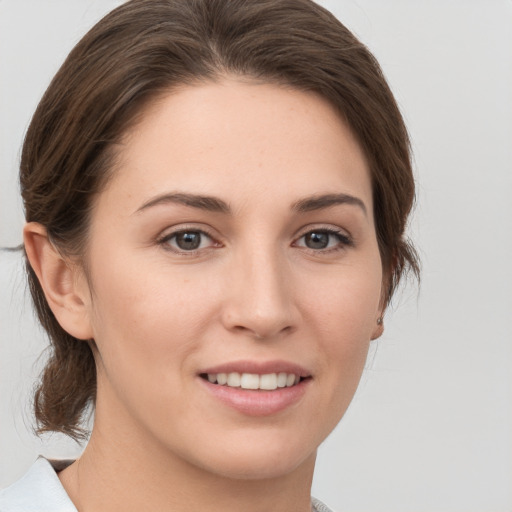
pixel 262 468
pixel 259 460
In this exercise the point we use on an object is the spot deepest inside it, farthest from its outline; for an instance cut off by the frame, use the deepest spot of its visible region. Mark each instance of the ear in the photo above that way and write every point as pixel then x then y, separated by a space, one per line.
pixel 385 295
pixel 379 320
pixel 379 328
pixel 63 284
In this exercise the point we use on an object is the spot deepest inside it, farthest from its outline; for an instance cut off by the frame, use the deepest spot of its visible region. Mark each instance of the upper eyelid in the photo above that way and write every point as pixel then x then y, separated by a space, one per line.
pixel 180 228
pixel 339 234
pixel 323 227
pixel 172 234
pixel 168 235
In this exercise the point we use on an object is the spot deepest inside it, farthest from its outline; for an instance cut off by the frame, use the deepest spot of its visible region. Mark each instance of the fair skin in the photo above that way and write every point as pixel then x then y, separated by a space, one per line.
pixel 236 236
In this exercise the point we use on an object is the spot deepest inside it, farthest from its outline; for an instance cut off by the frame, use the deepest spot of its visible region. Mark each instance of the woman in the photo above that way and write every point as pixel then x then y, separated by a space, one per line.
pixel 216 195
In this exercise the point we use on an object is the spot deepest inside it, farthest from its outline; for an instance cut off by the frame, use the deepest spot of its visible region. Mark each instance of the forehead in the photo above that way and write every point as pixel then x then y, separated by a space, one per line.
pixel 237 140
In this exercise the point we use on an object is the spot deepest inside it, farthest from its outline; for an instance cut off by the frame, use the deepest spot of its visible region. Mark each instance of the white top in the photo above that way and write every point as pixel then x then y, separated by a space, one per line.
pixel 40 490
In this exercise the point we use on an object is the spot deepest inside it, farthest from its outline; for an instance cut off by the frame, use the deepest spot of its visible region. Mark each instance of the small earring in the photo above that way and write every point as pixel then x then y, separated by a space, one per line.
pixel 379 320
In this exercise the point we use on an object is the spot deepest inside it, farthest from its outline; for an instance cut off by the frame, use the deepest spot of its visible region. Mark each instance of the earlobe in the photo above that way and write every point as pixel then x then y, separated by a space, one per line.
pixel 385 294
pixel 379 328
pixel 65 292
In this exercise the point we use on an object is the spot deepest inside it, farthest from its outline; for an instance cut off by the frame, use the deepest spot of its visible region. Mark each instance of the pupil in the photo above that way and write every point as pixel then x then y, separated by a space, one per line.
pixel 188 241
pixel 317 240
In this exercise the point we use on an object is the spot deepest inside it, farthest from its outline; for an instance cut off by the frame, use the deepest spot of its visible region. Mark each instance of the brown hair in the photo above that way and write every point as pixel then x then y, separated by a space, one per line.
pixel 146 47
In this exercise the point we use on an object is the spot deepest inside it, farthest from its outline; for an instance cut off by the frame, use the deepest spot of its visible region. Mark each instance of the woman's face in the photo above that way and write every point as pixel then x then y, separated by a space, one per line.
pixel 236 241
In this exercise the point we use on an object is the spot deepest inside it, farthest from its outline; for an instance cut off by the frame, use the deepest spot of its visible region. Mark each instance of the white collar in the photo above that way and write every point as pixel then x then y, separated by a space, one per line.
pixel 39 490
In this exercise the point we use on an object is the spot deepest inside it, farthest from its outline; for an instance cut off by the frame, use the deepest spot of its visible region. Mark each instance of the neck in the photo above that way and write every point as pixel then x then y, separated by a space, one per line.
pixel 118 472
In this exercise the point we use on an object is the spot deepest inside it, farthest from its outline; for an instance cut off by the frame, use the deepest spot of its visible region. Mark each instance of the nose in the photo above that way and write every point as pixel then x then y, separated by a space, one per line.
pixel 260 299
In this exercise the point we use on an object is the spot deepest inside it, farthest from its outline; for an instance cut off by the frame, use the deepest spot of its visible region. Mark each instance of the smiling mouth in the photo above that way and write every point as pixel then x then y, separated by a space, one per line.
pixel 254 381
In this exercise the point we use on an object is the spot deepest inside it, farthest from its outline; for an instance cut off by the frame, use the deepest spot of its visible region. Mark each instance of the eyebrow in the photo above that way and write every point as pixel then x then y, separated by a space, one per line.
pixel 214 204
pixel 211 204
pixel 320 202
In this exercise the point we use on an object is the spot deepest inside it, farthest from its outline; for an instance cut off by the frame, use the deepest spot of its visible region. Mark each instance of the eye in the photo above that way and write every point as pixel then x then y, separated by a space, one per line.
pixel 323 240
pixel 188 240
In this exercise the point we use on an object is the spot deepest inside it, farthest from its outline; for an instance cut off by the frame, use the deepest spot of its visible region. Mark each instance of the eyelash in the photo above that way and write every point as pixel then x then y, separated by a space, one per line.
pixel 164 241
pixel 344 240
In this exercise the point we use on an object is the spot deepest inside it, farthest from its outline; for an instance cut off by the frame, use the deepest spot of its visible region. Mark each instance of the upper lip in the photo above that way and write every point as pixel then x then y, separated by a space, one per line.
pixel 258 367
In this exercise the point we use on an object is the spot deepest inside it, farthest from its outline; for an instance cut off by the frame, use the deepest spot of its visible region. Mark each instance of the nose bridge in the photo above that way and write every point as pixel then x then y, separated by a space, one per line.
pixel 261 301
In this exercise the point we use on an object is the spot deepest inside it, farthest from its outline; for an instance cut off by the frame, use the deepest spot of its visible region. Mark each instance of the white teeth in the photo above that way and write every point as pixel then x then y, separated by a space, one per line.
pixel 234 380
pixel 268 381
pixel 281 380
pixel 250 381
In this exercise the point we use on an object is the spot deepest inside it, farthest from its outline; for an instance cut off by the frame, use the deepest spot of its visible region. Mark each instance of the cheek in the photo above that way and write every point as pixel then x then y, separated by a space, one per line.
pixel 131 317
pixel 141 341
pixel 343 311
pixel 346 302
pixel 146 316
pixel 340 315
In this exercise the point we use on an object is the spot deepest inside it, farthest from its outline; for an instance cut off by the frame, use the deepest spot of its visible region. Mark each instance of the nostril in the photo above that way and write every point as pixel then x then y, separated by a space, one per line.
pixel 263 333
pixel 263 318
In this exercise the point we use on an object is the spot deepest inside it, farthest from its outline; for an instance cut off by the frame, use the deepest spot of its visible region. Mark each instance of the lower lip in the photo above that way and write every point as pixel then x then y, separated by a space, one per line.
pixel 257 402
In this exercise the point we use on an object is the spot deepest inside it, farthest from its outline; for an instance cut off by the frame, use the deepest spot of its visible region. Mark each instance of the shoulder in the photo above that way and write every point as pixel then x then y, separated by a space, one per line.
pixel 39 490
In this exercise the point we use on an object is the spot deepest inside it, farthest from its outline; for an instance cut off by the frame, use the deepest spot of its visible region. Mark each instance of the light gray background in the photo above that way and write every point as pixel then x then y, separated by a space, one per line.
pixel 430 428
